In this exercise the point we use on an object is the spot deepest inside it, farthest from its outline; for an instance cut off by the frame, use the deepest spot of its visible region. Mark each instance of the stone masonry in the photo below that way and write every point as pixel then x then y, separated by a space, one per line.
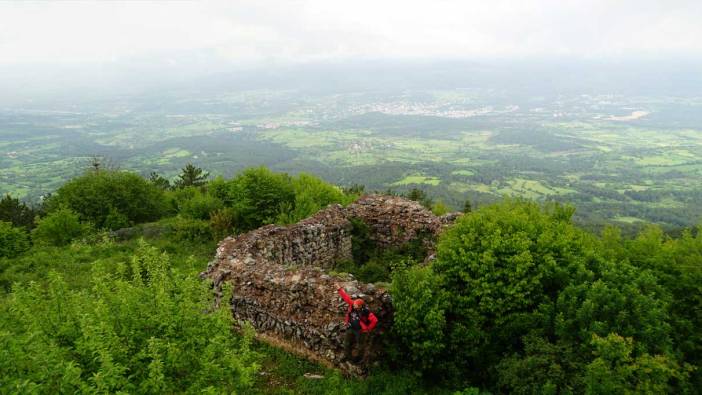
pixel 278 273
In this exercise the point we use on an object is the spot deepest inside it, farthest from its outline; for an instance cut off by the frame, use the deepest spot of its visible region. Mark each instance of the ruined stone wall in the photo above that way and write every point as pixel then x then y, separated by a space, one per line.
pixel 278 277
pixel 393 220
pixel 319 240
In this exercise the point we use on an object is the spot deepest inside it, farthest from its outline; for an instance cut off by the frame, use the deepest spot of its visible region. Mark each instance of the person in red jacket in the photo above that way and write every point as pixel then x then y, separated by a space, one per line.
pixel 360 322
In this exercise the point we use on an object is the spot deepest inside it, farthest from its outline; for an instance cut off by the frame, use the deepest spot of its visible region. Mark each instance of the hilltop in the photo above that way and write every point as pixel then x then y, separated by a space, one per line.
pixel 103 287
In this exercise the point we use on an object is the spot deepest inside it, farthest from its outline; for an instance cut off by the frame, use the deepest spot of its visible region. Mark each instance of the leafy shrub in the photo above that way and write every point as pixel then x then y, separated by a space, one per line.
pixel 176 198
pixel 523 288
pixel 439 208
pixel 420 317
pixel 222 223
pixel 257 195
pixel 59 228
pixel 311 195
pixel 95 194
pixel 200 206
pixel 115 220
pixel 13 241
pixel 616 371
pixel 143 329
pixel 677 265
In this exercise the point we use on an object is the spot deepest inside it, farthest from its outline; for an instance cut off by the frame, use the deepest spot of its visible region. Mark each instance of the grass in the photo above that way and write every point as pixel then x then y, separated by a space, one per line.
pixel 418 179
pixel 75 261
pixel 532 189
pixel 284 373
pixel 176 153
pixel 628 220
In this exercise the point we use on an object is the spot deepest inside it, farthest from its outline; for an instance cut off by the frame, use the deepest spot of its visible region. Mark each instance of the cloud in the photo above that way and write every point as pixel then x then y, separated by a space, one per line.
pixel 299 31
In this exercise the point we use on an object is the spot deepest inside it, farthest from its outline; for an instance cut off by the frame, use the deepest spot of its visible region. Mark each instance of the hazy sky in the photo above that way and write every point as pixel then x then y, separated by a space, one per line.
pixel 308 30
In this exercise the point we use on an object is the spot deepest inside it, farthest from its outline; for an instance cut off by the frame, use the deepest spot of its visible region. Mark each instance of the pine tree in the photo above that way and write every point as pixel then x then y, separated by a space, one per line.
pixel 159 181
pixel 191 176
pixel 16 212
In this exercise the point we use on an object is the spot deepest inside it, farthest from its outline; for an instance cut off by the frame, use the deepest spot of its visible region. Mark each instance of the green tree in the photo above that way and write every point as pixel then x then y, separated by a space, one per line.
pixel 16 212
pixel 616 371
pixel 95 195
pixel 58 228
pixel 191 176
pixel 258 195
pixel 199 205
pixel 439 208
pixel 420 318
pixel 159 181
pixel 311 195
pixel 115 220
pixel 524 286
pixel 677 265
pixel 467 207
pixel 13 240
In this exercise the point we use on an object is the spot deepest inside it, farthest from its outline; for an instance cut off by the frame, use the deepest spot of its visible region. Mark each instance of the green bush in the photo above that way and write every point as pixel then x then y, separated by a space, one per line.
pixel 59 228
pixel 200 206
pixel 311 195
pixel 439 208
pixel 677 265
pixel 616 371
pixel 144 329
pixel 524 287
pixel 420 318
pixel 115 220
pixel 257 196
pixel 222 223
pixel 95 195
pixel 13 241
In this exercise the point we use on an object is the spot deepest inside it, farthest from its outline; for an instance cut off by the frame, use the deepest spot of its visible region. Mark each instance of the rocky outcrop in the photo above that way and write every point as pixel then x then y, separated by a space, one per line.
pixel 278 273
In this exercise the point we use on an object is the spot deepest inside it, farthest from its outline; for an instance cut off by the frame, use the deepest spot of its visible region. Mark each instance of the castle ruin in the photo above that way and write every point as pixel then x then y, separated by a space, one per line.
pixel 279 279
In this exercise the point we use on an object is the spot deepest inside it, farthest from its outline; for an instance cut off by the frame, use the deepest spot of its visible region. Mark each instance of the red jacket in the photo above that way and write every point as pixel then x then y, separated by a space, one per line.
pixel 367 323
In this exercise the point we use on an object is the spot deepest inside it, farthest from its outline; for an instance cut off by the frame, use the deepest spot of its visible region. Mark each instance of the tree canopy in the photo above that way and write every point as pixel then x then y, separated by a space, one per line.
pixel 97 196
pixel 190 176
pixel 524 301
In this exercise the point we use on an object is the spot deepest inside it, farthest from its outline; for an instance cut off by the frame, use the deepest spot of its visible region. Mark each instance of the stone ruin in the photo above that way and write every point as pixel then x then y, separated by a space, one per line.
pixel 279 281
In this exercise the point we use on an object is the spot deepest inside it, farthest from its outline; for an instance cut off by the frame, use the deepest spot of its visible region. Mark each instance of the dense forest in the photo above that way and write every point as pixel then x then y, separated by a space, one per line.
pixel 99 293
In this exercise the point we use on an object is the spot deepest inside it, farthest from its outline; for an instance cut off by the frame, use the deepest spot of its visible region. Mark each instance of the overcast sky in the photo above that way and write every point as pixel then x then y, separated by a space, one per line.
pixel 309 30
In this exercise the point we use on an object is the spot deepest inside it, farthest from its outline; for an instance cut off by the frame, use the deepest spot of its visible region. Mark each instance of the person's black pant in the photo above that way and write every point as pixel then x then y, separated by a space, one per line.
pixel 361 340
